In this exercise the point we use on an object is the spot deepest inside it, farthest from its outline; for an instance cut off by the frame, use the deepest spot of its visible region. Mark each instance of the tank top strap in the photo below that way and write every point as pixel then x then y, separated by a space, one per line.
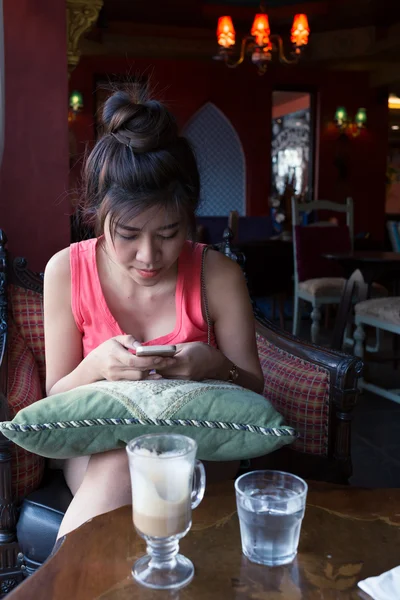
pixel 190 264
pixel 83 285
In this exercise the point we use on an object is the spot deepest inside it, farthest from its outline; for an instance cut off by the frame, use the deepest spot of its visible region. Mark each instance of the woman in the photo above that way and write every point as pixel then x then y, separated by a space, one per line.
pixel 140 281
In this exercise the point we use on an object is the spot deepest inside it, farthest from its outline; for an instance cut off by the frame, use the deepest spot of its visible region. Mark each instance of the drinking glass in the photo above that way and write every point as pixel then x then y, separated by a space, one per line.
pixel 167 483
pixel 271 507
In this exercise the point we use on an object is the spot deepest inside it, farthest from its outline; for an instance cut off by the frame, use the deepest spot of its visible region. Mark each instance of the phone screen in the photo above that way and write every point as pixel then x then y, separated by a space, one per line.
pixel 156 350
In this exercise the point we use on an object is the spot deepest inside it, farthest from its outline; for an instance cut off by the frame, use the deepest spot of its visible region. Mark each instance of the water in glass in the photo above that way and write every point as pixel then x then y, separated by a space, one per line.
pixel 270 516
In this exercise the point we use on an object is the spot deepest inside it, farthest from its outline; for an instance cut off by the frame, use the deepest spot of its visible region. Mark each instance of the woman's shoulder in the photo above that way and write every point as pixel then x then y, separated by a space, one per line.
pixel 57 275
pixel 59 262
pixel 217 265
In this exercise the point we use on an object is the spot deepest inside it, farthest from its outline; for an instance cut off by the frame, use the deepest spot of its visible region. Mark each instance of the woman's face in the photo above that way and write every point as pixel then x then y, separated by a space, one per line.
pixel 147 246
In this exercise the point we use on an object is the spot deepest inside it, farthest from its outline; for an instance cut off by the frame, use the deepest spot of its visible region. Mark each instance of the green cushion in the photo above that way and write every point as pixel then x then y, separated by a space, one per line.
pixel 227 421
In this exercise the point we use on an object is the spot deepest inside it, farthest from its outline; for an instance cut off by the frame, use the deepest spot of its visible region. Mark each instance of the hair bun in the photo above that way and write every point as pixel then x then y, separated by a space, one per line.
pixel 144 126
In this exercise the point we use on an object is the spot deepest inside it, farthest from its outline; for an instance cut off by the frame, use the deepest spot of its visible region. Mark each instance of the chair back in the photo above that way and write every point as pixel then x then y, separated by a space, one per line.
pixel 310 242
pixel 250 228
pixel 393 228
pixel 233 224
pixel 355 290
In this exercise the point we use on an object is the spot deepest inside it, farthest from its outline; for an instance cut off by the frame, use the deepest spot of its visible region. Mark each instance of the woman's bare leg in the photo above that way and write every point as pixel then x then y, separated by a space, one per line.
pixel 74 472
pixel 101 482
pixel 99 488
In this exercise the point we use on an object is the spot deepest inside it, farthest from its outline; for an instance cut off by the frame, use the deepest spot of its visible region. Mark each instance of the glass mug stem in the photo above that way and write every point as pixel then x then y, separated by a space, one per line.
pixel 162 552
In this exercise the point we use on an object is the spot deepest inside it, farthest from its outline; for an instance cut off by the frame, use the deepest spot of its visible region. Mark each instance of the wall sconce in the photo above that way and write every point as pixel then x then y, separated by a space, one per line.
pixel 260 44
pixel 350 126
pixel 75 104
pixel 394 102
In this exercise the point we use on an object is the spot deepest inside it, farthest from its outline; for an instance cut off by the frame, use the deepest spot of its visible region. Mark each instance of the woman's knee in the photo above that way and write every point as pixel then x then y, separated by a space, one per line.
pixel 111 459
pixel 112 465
pixel 107 474
pixel 74 472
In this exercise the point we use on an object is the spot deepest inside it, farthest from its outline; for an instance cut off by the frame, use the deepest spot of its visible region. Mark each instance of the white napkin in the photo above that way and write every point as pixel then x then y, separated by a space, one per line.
pixel 383 587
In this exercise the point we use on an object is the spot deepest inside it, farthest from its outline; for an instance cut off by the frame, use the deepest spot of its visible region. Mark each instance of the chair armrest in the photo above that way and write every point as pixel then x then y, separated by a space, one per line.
pixel 343 372
pixel 10 567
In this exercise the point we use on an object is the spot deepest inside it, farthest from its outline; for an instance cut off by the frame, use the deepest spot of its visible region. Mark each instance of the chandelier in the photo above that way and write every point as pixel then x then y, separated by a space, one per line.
pixel 260 45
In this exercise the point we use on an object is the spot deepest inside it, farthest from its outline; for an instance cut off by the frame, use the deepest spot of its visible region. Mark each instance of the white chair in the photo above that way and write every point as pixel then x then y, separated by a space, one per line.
pixel 315 278
pixel 381 313
pixel 393 228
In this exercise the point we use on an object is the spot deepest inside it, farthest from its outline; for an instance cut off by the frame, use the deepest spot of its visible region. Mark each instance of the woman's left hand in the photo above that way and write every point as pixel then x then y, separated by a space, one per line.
pixel 197 361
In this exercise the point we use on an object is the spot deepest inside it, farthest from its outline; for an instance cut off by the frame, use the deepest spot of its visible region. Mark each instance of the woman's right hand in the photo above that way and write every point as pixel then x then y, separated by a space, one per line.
pixel 114 360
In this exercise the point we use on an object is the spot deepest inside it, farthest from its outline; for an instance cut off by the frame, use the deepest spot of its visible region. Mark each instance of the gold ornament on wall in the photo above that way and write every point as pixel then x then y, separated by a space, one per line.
pixel 81 14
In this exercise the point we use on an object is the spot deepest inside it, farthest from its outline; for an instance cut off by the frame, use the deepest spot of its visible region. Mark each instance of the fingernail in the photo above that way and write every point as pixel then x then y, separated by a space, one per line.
pixel 157 361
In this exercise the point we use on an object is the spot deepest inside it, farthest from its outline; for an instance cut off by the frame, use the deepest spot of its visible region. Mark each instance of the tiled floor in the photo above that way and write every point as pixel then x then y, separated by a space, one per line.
pixel 376 426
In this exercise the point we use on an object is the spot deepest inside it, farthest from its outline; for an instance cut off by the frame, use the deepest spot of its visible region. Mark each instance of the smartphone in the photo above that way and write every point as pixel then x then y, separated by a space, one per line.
pixel 155 350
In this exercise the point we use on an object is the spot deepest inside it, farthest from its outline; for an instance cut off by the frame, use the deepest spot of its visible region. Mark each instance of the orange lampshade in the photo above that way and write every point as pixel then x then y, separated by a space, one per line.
pixel 300 30
pixel 261 30
pixel 225 32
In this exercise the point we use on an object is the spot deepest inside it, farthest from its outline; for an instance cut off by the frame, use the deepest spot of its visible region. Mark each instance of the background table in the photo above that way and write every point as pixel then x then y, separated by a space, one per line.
pixel 348 534
pixel 373 265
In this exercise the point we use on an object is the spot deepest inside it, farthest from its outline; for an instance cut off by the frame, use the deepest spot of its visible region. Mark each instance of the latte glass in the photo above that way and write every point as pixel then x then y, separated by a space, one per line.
pixel 167 483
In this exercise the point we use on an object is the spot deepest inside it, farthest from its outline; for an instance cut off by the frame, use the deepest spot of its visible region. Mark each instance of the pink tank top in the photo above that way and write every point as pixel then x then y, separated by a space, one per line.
pixel 94 319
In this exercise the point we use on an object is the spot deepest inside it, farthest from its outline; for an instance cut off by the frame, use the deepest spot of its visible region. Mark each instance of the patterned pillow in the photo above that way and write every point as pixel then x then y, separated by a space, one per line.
pixel 227 421
pixel 27 313
pixel 299 390
pixel 24 388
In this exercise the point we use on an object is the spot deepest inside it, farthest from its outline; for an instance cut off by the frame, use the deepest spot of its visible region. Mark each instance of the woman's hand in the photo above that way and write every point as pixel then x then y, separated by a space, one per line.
pixel 197 361
pixel 114 360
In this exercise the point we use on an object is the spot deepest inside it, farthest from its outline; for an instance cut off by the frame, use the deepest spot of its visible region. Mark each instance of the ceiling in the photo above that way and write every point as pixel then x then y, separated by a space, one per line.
pixel 345 34
pixel 323 14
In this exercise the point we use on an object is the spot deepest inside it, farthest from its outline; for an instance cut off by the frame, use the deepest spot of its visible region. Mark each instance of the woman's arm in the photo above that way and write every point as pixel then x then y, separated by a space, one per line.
pixel 65 368
pixel 231 312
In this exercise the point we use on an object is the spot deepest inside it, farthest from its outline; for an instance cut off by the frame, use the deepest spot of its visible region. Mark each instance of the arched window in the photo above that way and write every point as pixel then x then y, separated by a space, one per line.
pixel 221 162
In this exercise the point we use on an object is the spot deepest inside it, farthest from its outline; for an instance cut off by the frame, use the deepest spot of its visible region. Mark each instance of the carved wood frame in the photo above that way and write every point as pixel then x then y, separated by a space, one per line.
pixel 81 15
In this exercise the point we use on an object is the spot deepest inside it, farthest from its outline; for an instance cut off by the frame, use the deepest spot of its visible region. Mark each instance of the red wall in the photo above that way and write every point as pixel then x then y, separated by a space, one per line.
pixel 245 98
pixel 34 172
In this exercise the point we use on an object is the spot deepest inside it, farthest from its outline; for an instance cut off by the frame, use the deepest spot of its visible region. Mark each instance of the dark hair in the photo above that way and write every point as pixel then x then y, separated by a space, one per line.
pixel 140 162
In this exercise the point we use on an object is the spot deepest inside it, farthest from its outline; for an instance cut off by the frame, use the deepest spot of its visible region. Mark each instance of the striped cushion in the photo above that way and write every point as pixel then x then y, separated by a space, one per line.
pixel 299 390
pixel 27 312
pixel 227 421
pixel 24 388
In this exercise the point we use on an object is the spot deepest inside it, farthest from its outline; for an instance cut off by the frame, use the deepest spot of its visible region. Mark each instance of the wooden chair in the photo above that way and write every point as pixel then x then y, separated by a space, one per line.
pixel 317 280
pixel 233 224
pixel 315 389
pixel 382 314
pixel 355 290
pixel 393 234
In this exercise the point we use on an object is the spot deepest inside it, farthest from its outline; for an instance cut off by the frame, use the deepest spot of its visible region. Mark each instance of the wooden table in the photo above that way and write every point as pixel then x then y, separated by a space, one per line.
pixel 373 265
pixel 348 534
